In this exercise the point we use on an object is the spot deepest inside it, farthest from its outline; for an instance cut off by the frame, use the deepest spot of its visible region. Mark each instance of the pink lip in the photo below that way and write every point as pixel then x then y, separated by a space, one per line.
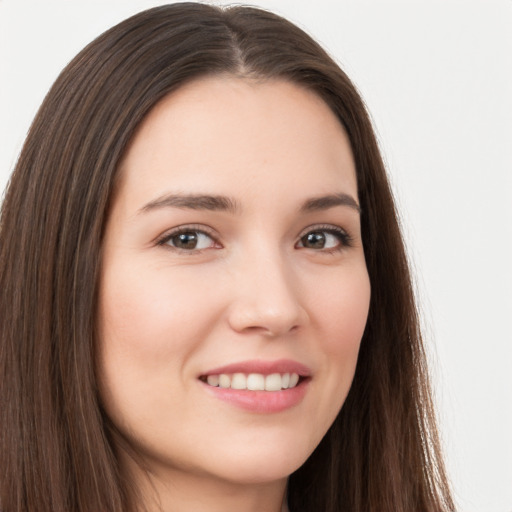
pixel 263 367
pixel 262 401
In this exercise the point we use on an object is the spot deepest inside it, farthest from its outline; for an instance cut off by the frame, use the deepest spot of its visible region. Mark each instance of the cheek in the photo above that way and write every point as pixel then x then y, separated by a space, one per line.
pixel 141 313
pixel 342 312
pixel 341 315
pixel 148 329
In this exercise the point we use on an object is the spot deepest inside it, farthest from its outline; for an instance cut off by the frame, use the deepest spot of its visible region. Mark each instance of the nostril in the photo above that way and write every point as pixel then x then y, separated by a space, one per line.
pixel 268 314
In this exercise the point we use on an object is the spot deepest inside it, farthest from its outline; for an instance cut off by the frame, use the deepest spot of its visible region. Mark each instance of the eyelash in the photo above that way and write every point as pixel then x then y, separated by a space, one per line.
pixel 166 237
pixel 345 240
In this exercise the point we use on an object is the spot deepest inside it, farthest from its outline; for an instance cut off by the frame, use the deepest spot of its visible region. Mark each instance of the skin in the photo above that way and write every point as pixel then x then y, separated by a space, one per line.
pixel 254 288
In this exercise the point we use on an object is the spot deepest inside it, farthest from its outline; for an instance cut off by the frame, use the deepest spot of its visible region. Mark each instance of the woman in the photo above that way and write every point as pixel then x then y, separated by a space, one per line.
pixel 206 303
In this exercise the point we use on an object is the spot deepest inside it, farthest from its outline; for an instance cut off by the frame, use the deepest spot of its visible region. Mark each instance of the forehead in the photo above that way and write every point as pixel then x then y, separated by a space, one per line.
pixel 218 133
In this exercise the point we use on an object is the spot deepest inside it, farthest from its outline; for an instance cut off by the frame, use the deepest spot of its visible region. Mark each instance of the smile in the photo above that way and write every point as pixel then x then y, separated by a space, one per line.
pixel 259 386
pixel 253 381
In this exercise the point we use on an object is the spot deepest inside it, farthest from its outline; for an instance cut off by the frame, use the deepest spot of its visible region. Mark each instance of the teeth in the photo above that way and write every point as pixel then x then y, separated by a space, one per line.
pixel 213 380
pixel 224 381
pixel 273 382
pixel 254 381
pixel 239 381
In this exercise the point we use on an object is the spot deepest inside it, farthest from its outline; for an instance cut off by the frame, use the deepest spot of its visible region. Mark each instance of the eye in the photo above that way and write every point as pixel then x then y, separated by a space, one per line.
pixel 188 239
pixel 330 238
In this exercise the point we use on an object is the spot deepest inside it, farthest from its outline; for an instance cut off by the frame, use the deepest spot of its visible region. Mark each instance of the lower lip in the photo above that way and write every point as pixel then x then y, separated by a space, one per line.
pixel 261 401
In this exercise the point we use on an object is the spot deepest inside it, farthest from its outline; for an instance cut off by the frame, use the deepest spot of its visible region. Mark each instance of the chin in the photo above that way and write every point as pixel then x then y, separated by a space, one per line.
pixel 262 465
pixel 258 473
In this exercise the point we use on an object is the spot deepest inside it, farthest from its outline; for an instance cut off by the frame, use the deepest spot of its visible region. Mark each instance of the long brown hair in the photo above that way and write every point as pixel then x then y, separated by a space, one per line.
pixel 57 454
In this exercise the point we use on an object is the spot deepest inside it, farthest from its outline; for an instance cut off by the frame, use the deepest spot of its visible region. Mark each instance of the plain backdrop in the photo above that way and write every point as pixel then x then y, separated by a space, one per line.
pixel 437 78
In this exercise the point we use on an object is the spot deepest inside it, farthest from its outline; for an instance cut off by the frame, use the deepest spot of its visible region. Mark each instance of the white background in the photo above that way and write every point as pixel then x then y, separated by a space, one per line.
pixel 437 77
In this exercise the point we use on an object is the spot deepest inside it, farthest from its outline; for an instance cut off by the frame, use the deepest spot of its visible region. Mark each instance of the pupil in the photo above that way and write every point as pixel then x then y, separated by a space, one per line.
pixel 315 240
pixel 185 240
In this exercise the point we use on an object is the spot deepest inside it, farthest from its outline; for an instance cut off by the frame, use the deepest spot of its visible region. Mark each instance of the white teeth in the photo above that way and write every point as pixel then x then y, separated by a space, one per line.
pixel 224 381
pixel 213 380
pixel 239 381
pixel 254 381
pixel 273 382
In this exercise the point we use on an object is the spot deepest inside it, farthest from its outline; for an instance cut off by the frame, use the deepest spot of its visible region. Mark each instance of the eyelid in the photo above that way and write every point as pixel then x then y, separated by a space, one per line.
pixel 345 238
pixel 333 228
pixel 162 239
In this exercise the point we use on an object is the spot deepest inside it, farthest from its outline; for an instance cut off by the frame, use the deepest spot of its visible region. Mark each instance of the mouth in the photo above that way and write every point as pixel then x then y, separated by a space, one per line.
pixel 259 386
pixel 254 381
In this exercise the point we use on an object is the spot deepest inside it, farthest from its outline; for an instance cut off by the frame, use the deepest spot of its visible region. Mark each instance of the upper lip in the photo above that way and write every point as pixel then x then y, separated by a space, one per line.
pixel 263 367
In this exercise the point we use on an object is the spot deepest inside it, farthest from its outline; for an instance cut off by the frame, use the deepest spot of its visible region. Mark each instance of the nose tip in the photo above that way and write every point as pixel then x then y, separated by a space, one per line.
pixel 267 322
pixel 267 304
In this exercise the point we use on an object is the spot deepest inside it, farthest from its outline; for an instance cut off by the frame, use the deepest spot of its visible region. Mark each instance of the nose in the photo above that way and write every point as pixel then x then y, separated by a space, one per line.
pixel 267 298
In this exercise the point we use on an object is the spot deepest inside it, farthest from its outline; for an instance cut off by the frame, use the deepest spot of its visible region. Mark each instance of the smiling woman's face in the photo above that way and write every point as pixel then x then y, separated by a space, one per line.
pixel 232 258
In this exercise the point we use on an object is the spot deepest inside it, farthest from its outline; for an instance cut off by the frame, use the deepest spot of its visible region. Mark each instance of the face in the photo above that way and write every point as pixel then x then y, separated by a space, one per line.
pixel 234 290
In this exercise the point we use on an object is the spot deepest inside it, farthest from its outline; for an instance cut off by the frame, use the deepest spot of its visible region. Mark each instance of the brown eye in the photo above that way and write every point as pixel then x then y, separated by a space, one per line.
pixel 190 240
pixel 314 240
pixel 331 238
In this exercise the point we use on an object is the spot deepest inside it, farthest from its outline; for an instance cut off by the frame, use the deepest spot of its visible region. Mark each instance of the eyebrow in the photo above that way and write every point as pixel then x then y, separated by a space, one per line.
pixel 193 202
pixel 227 204
pixel 330 201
